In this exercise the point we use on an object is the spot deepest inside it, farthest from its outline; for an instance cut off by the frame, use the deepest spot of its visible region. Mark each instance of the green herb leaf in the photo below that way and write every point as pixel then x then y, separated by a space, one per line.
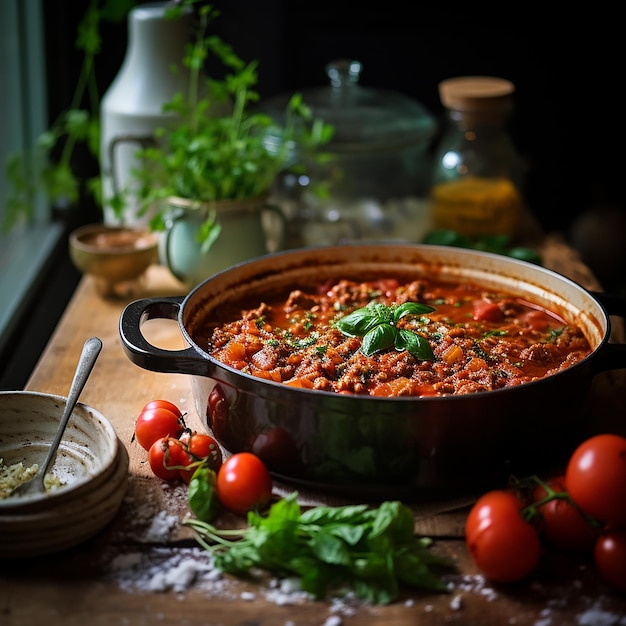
pixel 410 308
pixel 376 323
pixel 379 338
pixel 202 494
pixel 372 550
pixel 359 322
pixel 348 514
pixel 498 244
pixel 415 344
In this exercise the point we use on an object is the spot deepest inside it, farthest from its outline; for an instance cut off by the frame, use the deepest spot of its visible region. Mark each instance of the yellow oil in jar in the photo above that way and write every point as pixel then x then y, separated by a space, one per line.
pixel 475 206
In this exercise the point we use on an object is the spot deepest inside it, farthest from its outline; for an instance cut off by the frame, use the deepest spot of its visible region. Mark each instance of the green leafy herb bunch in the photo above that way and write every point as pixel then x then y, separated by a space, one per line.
pixel 372 551
pixel 217 149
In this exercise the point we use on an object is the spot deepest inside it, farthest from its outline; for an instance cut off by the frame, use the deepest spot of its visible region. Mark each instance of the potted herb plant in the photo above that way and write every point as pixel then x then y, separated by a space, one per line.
pixel 207 178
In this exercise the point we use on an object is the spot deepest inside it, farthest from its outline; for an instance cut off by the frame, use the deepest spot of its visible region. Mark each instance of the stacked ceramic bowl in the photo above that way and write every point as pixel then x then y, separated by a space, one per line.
pixel 85 485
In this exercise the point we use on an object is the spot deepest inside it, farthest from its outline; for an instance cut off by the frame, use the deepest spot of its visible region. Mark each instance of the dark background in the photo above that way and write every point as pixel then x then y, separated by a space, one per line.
pixel 568 123
pixel 567 68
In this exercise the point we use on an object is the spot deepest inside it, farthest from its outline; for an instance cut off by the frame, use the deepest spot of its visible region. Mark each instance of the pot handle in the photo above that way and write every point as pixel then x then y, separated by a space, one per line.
pixel 613 355
pixel 612 302
pixel 141 352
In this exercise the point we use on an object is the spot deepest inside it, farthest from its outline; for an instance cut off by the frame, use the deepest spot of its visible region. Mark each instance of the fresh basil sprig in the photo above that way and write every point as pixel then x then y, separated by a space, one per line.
pixel 377 324
pixel 372 550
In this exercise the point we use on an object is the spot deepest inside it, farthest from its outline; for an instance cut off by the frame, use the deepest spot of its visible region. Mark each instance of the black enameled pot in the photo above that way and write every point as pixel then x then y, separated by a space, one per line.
pixel 381 447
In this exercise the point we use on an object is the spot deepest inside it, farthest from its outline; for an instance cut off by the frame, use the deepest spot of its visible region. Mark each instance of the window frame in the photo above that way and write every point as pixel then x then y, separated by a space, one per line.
pixel 28 247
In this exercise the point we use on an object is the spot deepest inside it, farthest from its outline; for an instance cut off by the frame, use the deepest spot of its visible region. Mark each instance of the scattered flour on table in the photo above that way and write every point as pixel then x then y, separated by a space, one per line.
pixel 594 610
pixel 179 569
pixel 166 569
pixel 161 526
pixel 596 616
pixel 161 568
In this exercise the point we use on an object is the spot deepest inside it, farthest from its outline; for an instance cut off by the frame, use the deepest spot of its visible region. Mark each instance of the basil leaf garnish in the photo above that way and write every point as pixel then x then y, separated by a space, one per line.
pixel 379 338
pixel 358 323
pixel 376 323
pixel 417 345
pixel 410 308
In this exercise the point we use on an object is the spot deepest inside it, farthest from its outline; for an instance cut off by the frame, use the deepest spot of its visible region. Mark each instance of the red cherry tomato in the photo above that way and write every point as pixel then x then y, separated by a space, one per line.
pixel 494 506
pixel 163 404
pixel 243 483
pixel 595 478
pixel 165 456
pixel 154 423
pixel 504 547
pixel 562 524
pixel 610 557
pixel 200 450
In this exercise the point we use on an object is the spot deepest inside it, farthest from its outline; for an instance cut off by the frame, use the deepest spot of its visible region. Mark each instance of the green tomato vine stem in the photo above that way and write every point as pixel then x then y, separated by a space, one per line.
pixel 531 511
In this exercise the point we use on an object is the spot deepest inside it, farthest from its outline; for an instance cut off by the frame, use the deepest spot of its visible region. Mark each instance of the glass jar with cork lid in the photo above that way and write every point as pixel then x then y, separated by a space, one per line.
pixel 476 181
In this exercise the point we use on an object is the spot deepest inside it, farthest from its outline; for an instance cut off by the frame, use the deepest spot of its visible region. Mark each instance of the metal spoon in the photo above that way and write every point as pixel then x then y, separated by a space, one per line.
pixel 87 360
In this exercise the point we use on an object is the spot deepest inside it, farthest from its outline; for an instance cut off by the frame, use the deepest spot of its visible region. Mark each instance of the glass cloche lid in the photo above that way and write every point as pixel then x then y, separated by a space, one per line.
pixel 362 117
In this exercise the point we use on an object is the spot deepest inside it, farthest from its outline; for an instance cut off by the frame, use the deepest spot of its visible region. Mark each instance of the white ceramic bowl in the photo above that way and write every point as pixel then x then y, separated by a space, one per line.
pixel 91 464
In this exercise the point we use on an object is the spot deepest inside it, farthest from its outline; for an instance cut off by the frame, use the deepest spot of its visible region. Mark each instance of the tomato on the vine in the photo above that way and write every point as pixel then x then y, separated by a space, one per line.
pixel 610 557
pixel 504 546
pixel 165 456
pixel 156 422
pixel 562 524
pixel 163 404
pixel 201 450
pixel 595 478
pixel 244 483
pixel 494 506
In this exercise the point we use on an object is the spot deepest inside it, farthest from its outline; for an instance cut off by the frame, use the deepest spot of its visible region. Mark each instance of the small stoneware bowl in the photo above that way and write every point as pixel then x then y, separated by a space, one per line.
pixel 85 484
pixel 113 254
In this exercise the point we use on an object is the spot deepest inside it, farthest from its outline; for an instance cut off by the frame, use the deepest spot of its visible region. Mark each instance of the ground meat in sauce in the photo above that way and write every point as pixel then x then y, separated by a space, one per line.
pixel 480 341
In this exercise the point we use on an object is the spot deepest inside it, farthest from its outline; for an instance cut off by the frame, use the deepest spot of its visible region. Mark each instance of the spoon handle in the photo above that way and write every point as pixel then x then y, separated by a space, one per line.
pixel 87 360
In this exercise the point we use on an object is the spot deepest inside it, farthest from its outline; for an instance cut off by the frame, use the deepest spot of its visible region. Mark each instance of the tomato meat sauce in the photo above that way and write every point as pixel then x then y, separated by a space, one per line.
pixel 479 340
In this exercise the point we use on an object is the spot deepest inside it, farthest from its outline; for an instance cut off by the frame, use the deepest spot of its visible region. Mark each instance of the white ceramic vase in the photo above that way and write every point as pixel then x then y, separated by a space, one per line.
pixel 132 107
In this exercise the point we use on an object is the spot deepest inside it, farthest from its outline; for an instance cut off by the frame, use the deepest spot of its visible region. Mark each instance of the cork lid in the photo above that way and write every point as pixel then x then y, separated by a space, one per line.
pixel 476 93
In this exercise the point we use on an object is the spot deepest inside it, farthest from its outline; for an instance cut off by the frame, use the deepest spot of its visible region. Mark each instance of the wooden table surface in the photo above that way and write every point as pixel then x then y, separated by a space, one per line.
pixel 139 569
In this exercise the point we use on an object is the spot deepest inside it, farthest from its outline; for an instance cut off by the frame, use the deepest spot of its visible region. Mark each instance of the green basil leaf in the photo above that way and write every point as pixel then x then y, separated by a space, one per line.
pixel 208 235
pixel 395 517
pixel 383 312
pixel 411 308
pixel 348 514
pixel 525 254
pixel 417 345
pixel 492 243
pixel 329 549
pixel 412 568
pixel 370 549
pixel 379 338
pixel 350 533
pixel 202 494
pixel 442 237
pixel 357 323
